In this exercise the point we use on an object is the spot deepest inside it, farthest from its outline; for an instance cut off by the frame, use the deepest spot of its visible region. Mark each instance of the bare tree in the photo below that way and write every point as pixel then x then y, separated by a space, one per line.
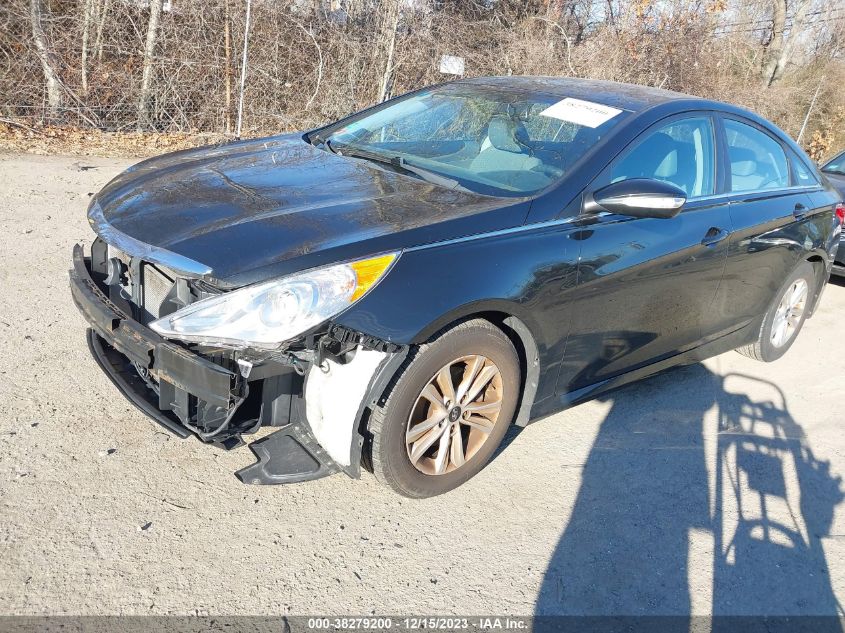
pixel 98 45
pixel 47 57
pixel 87 16
pixel 146 77
pixel 781 49
pixel 387 44
pixel 311 61
pixel 243 70
pixel 227 43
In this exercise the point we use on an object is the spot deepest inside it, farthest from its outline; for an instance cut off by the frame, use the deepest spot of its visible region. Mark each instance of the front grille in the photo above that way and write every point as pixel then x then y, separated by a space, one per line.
pixel 145 290
pixel 155 287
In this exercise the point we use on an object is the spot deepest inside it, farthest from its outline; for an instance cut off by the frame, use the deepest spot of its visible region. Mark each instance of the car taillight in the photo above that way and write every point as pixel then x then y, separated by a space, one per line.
pixel 840 212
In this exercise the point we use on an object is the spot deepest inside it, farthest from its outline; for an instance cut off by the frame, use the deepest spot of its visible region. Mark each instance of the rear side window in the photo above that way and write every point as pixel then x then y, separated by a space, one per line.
pixel 757 161
pixel 801 175
pixel 680 153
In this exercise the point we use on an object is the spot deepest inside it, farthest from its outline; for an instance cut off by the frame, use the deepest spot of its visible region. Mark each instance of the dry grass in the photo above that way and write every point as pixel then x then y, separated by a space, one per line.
pixel 72 141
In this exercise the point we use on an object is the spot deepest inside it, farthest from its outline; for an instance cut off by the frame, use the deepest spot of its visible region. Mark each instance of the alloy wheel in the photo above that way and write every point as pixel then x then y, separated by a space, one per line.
pixel 789 313
pixel 454 415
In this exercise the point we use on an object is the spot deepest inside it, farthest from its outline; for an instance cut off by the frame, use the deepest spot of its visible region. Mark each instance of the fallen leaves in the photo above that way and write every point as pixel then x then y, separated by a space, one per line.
pixel 37 138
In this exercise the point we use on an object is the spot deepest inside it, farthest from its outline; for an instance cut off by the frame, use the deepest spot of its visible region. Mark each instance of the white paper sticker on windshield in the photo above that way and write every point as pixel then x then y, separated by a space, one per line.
pixel 581 112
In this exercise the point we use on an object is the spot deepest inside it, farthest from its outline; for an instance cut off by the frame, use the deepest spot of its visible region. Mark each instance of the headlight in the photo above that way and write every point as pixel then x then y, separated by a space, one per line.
pixel 267 314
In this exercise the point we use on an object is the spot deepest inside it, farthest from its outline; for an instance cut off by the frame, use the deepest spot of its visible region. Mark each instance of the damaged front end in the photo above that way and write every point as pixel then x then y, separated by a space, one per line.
pixel 314 390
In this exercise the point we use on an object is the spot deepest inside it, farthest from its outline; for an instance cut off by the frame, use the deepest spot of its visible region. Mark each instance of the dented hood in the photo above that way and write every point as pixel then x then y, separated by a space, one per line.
pixel 251 210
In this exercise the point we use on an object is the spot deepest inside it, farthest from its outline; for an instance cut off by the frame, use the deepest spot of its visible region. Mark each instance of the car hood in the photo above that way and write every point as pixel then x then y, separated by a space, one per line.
pixel 250 210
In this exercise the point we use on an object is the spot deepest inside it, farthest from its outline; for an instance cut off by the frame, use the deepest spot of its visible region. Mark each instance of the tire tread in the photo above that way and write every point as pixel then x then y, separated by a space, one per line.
pixel 378 416
pixel 755 350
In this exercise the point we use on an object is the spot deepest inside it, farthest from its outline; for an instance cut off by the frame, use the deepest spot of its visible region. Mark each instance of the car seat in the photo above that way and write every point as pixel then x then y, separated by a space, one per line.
pixel 505 148
pixel 745 171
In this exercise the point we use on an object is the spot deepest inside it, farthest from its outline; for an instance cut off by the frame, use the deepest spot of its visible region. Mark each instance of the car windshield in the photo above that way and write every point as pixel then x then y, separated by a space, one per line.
pixel 484 139
pixel 836 166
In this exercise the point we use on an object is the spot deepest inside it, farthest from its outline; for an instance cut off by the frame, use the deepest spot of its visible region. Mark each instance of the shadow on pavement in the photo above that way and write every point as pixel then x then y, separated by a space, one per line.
pixel 837 281
pixel 711 490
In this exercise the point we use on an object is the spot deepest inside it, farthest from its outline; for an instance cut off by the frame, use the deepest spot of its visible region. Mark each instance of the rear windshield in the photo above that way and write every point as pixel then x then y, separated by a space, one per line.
pixel 489 140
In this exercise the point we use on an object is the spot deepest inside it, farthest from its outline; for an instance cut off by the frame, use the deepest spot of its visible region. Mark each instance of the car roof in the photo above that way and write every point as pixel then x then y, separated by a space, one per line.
pixel 631 97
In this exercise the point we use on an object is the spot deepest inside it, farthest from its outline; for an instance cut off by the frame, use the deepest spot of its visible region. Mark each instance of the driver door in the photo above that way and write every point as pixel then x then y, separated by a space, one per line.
pixel 646 285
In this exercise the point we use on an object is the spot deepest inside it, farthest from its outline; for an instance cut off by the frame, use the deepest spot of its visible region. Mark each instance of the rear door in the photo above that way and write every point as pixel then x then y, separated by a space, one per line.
pixel 646 286
pixel 771 211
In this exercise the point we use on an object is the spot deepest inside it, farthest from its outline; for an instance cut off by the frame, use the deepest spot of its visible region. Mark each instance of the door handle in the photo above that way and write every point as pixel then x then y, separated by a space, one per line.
pixel 799 211
pixel 714 236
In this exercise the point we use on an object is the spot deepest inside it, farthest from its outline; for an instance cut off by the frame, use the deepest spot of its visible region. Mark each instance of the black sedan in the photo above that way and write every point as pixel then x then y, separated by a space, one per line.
pixel 834 169
pixel 396 289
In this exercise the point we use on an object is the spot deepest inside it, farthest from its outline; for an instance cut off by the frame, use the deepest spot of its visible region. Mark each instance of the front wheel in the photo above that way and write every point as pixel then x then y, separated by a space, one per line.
pixel 785 316
pixel 447 411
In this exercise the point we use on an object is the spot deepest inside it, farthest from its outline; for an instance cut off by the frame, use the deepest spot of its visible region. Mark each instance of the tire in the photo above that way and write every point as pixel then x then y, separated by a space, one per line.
pixel 769 345
pixel 475 345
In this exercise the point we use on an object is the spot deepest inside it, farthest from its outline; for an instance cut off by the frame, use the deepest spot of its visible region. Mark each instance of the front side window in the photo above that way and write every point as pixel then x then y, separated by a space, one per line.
pixel 680 153
pixel 757 161
pixel 490 140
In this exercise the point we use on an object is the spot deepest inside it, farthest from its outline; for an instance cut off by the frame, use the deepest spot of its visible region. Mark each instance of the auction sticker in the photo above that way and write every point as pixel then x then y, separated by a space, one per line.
pixel 586 113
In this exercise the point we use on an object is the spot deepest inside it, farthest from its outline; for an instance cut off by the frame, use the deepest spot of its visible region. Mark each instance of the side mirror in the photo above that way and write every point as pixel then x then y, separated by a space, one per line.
pixel 638 198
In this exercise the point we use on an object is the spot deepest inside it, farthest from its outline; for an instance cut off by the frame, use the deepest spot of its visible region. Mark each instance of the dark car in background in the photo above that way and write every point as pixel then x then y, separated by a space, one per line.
pixel 397 288
pixel 834 169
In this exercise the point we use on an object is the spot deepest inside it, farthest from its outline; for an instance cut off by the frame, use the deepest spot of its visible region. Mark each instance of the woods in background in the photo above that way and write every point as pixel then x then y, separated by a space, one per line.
pixel 175 65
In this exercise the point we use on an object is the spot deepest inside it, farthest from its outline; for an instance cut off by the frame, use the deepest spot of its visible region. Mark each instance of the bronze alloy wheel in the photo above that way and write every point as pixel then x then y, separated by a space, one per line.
pixel 454 414
pixel 446 411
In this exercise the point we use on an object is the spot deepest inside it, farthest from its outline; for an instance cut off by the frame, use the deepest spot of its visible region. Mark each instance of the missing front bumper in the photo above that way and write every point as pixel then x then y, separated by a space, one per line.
pixel 125 349
pixel 288 455
pixel 124 376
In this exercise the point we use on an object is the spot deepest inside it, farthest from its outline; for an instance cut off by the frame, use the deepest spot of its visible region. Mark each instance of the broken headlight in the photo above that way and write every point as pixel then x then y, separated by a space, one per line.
pixel 265 315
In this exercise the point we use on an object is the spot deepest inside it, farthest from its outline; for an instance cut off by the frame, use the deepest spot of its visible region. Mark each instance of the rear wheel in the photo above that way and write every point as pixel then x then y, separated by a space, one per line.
pixel 785 316
pixel 447 411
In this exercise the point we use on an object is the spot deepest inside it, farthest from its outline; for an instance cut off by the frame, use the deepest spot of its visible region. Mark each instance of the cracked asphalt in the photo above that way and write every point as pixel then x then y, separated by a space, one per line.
pixel 715 488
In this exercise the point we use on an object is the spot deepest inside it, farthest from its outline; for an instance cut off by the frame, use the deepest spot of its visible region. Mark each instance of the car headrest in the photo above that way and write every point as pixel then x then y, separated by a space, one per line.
pixel 506 134
pixel 659 156
pixel 668 167
pixel 743 162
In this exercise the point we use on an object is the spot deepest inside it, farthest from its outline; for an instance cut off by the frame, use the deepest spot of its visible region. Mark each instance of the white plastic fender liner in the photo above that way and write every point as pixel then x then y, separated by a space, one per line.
pixel 333 397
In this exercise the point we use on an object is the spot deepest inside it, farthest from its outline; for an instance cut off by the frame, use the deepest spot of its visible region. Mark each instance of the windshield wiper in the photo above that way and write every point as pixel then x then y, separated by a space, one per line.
pixel 316 140
pixel 399 162
pixel 429 175
pixel 838 172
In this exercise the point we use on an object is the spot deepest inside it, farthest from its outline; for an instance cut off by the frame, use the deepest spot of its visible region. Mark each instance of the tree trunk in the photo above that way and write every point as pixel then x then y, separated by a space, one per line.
pixel 98 45
pixel 243 70
pixel 147 75
pixel 788 49
pixel 387 37
pixel 775 45
pixel 86 31
pixel 353 11
pixel 227 42
pixel 37 11
pixel 610 17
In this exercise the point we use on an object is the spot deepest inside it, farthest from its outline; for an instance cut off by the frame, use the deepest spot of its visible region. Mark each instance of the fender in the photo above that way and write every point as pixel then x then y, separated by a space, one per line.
pixel 527 273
